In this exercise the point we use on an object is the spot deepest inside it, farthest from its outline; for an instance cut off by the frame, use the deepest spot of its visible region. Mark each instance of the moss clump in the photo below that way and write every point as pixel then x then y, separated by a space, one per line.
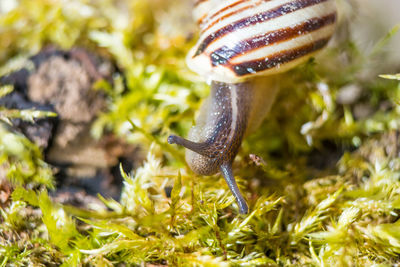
pixel 322 178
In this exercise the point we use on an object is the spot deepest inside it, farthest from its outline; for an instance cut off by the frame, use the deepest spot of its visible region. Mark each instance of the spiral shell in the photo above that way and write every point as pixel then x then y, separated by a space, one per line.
pixel 245 38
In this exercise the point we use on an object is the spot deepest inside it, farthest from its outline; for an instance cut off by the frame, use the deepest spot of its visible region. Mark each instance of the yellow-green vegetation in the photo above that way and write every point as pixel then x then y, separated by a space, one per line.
pixel 324 188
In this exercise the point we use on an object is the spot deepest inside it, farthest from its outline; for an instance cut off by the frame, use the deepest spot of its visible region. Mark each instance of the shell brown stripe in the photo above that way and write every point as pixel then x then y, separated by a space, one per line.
pixel 274 60
pixel 227 15
pixel 222 55
pixel 257 18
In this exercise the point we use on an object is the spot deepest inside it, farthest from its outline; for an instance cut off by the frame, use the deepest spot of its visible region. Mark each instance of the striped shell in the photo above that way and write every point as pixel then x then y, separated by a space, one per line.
pixel 243 38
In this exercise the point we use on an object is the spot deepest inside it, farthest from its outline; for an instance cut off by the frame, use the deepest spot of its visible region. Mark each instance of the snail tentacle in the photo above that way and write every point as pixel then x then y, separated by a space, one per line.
pixel 226 170
pixel 199 148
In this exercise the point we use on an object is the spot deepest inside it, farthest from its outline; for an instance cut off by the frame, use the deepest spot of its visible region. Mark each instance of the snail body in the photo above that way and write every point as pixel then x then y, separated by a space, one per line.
pixel 243 46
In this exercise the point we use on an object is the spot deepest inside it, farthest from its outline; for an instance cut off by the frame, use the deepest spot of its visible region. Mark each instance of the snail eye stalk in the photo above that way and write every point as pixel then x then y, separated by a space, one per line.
pixel 226 170
pixel 200 148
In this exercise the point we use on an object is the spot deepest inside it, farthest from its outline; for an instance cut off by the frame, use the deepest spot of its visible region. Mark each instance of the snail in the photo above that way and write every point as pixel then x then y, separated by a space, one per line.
pixel 243 46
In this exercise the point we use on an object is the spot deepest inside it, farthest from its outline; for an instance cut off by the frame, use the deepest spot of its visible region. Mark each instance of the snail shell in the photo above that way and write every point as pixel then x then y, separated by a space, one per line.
pixel 240 39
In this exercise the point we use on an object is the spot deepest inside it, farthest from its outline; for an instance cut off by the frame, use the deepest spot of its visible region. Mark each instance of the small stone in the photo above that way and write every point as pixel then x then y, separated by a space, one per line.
pixel 348 94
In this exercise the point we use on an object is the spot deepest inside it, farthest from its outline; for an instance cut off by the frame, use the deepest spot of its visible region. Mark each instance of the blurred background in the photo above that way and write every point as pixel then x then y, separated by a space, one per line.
pixel 90 91
pixel 371 19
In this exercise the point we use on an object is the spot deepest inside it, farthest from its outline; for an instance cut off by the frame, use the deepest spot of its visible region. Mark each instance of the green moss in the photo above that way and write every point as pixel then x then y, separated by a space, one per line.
pixel 345 211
